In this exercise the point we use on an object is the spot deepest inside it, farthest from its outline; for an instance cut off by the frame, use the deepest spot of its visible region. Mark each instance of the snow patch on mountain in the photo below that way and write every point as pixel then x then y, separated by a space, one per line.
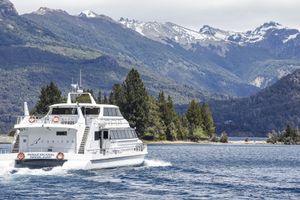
pixel 88 14
pixel 258 81
pixel 45 10
pixel 207 35
pixel 290 37
pixel 163 32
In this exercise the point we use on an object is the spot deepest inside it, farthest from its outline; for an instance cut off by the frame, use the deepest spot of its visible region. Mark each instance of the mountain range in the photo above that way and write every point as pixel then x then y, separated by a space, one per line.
pixel 209 64
pixel 273 108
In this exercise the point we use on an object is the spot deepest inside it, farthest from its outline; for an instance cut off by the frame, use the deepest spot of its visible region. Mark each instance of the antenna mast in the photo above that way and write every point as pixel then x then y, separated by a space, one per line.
pixel 80 78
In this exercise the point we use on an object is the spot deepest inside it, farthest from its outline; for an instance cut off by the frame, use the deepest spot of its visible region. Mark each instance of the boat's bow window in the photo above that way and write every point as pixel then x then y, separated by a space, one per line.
pixel 90 111
pixel 107 111
pixel 64 111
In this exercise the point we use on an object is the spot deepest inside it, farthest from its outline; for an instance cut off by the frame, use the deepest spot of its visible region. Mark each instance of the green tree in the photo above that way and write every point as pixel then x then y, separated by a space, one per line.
pixel 170 119
pixel 136 106
pixel 156 128
pixel 99 98
pixel 194 115
pixel 49 95
pixel 208 122
pixel 117 96
pixel 183 129
pixel 105 100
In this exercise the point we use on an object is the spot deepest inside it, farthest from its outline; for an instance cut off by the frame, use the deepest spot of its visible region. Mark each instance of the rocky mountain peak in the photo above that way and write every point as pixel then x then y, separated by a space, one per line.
pixel 208 30
pixel 45 10
pixel 7 8
pixel 88 14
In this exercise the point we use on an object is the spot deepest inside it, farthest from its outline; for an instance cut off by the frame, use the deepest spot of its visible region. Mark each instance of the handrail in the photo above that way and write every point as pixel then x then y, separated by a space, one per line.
pixel 50 119
pixel 53 149
pixel 119 150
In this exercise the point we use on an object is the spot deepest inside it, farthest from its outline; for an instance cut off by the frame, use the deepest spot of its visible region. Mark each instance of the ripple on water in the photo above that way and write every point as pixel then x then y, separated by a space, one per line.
pixel 171 172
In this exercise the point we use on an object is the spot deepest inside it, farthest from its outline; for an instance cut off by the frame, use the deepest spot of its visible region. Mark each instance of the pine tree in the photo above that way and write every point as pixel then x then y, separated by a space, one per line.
pixel 208 122
pixel 183 129
pixel 99 98
pixel 49 95
pixel 105 100
pixel 194 115
pixel 195 120
pixel 170 119
pixel 136 106
pixel 156 128
pixel 117 96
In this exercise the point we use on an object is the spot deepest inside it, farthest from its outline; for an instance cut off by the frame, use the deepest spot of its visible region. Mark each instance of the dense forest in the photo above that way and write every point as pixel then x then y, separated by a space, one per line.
pixel 271 109
pixel 153 117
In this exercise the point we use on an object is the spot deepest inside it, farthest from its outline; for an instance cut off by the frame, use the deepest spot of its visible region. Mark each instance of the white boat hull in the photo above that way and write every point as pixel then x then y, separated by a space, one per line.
pixel 72 161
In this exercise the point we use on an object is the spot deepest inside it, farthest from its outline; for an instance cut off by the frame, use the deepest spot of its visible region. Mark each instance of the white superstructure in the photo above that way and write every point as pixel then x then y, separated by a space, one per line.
pixel 86 135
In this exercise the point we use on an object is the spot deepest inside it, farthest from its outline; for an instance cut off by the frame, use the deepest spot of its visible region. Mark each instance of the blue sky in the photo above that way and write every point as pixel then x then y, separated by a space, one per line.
pixel 237 15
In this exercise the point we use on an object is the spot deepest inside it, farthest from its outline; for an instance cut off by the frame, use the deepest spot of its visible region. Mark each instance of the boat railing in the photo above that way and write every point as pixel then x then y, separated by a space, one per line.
pixel 49 150
pixel 50 119
pixel 119 150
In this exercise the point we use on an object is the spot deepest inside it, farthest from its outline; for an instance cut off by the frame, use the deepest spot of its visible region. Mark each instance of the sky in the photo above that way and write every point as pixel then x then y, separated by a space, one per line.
pixel 235 15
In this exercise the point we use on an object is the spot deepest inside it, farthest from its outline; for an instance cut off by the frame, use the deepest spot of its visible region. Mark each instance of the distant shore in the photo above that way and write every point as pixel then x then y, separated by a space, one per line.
pixel 7 140
pixel 205 142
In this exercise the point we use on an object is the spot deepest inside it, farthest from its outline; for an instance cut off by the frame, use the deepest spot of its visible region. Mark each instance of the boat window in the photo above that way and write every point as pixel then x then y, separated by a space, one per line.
pixel 61 133
pixel 64 111
pixel 111 112
pixel 105 134
pixel 122 134
pixel 92 111
pixel 97 135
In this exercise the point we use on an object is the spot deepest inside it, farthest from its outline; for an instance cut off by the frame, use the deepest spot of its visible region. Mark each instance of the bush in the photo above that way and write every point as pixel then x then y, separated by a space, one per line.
pixel 224 138
pixel 198 134
pixel 272 137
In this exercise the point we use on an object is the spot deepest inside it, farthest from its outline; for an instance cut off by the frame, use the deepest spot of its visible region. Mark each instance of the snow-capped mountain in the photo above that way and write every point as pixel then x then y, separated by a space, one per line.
pixel 169 31
pixel 45 10
pixel 88 14
pixel 165 32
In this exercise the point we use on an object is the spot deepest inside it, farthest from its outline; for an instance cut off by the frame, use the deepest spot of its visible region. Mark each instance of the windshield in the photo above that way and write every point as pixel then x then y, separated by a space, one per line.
pixel 64 111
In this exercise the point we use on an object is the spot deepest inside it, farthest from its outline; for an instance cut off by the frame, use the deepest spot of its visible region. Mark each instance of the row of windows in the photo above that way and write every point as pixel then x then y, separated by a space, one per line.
pixel 86 111
pixel 122 134
pixel 111 112
pixel 116 134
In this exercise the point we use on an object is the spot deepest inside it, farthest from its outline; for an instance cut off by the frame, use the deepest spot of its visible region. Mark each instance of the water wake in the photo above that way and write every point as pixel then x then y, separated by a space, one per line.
pixel 156 163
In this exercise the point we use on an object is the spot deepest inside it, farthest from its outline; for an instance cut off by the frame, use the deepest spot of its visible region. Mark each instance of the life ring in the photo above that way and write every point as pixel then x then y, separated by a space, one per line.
pixel 60 156
pixel 31 119
pixel 21 156
pixel 55 119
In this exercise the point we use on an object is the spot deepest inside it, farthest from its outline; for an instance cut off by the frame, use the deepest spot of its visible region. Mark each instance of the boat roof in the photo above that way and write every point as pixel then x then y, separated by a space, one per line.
pixel 72 105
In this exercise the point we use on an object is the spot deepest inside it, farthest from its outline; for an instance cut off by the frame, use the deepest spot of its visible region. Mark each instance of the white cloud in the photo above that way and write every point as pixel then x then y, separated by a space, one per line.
pixel 225 14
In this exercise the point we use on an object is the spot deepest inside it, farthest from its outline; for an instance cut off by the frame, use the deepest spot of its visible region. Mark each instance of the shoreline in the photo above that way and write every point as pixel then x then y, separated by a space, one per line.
pixel 237 142
pixel 9 140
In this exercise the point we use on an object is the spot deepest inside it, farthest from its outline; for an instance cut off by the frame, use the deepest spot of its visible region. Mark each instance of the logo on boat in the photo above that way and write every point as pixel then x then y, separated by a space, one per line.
pixel 40 155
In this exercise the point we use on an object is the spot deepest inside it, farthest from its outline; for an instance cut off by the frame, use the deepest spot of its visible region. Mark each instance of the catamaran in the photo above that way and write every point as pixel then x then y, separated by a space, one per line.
pixel 73 134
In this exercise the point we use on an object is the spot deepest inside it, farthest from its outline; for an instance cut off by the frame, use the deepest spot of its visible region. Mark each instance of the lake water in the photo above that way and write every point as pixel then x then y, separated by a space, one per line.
pixel 171 172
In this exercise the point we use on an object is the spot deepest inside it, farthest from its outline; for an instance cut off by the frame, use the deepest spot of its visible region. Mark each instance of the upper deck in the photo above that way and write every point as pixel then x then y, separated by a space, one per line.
pixel 72 112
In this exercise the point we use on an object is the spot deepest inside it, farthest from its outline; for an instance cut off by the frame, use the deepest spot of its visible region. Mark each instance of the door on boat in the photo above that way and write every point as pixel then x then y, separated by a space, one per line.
pixel 23 142
pixel 103 140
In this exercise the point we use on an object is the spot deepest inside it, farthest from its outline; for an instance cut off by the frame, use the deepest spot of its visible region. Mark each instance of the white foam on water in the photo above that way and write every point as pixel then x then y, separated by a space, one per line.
pixel 156 163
